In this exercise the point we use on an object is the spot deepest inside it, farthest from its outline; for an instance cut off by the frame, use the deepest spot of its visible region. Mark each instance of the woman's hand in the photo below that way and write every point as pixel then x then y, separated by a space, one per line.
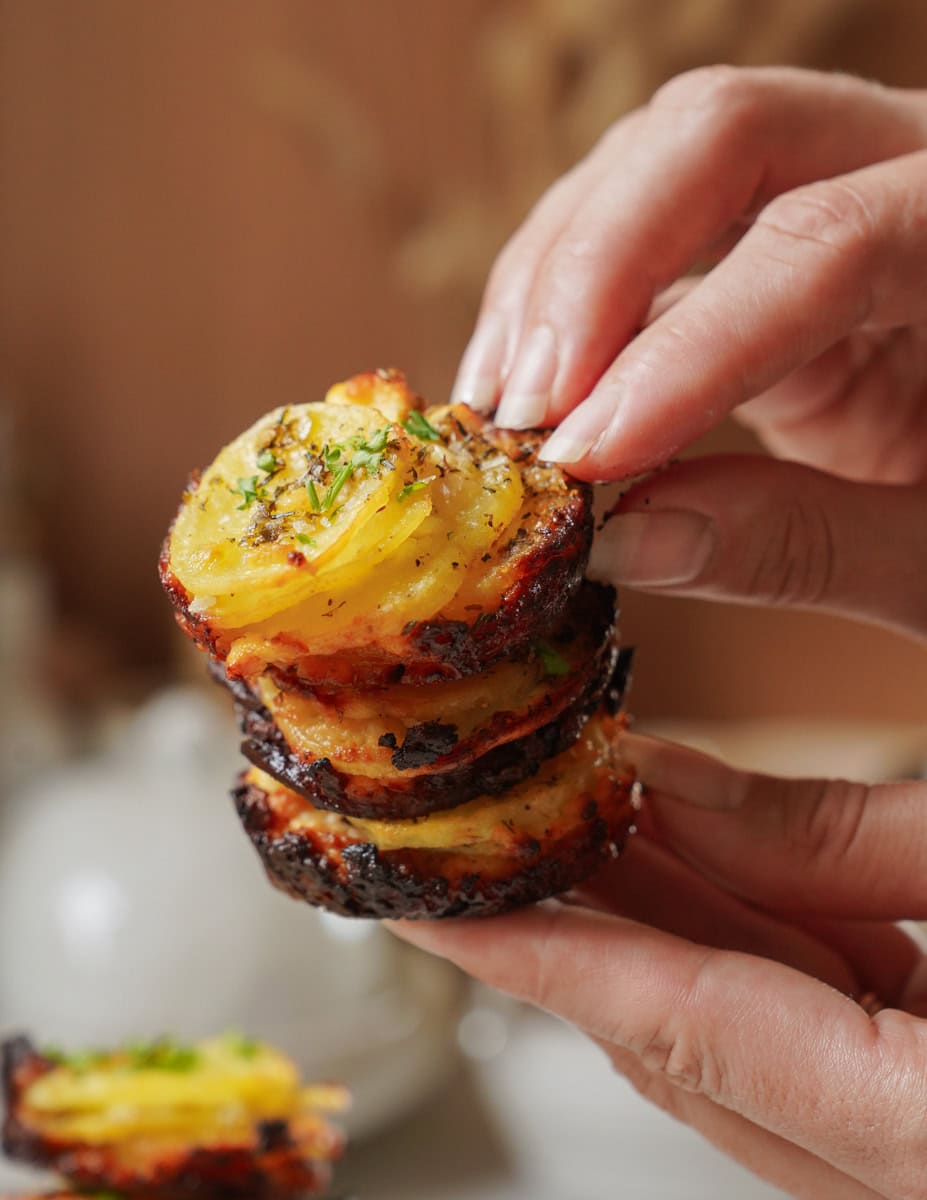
pixel 765 905
pixel 818 183
pixel 716 962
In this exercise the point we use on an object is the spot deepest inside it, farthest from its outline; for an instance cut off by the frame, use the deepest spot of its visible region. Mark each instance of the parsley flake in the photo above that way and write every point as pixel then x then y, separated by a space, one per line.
pixel 242 1045
pixel 341 477
pixel 250 490
pixel 419 426
pixel 267 461
pixel 305 540
pixel 553 660
pixel 413 487
pixel 163 1055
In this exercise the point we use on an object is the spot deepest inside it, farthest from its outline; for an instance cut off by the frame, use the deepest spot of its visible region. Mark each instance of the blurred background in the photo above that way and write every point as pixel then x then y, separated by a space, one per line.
pixel 210 209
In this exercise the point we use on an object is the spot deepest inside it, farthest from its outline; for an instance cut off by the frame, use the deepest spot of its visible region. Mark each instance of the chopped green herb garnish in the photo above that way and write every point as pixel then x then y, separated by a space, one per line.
pixel 341 477
pixel 553 660
pixel 413 487
pixel 313 496
pixel 249 490
pixel 242 1045
pixel 78 1062
pixel 162 1055
pixel 419 426
pixel 331 454
pixel 305 540
pixel 267 461
pixel 368 452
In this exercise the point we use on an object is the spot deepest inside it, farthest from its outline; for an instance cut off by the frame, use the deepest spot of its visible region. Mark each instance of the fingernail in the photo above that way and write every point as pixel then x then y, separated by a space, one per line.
pixel 526 400
pixel 478 377
pixel 577 433
pixel 653 549
pixel 675 774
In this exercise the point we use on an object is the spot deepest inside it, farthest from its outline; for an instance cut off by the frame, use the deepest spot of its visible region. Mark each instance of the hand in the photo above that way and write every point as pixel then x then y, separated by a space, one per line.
pixel 766 905
pixel 817 181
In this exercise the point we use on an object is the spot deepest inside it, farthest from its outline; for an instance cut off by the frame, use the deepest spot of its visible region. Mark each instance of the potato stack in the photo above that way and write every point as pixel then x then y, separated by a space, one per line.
pixel 428 687
pixel 227 1117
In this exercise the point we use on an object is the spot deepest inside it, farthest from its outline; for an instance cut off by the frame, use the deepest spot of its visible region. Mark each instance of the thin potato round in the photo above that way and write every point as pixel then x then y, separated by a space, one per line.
pixel 472 502
pixel 285 488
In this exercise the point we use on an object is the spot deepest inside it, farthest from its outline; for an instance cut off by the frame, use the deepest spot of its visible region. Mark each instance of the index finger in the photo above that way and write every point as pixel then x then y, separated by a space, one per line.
pixel 819 262
pixel 758 1038
pixel 711 147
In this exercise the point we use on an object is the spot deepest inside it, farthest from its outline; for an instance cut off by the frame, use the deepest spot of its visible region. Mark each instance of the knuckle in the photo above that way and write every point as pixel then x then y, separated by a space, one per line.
pixel 794 564
pixel 824 821
pixel 675 1051
pixel 721 98
pixel 715 86
pixel 831 216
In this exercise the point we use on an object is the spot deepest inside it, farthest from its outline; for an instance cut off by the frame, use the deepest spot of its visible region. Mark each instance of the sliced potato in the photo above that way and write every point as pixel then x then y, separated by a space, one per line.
pixel 280 505
pixel 385 390
pixel 471 503
pixel 497 825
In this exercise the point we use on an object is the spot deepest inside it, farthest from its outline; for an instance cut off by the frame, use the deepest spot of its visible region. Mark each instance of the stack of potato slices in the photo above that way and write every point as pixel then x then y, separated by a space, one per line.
pixel 428 686
pixel 226 1117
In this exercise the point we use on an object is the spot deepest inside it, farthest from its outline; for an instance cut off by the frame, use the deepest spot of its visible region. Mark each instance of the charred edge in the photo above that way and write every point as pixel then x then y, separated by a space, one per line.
pixel 492 773
pixel 20 1064
pixel 194 626
pixel 233 1173
pixel 424 744
pixel 549 577
pixel 358 880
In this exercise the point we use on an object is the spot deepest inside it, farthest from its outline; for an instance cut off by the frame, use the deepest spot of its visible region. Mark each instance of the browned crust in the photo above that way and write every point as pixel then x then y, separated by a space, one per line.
pixel 546 559
pixel 355 879
pixel 462 774
pixel 271 1167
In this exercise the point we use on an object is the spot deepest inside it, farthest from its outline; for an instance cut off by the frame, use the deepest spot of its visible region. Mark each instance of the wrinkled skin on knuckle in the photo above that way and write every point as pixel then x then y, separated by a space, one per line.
pixel 833 223
pixel 724 103
pixel 901 1046
pixel 675 1047
pixel 823 820
pixel 794 561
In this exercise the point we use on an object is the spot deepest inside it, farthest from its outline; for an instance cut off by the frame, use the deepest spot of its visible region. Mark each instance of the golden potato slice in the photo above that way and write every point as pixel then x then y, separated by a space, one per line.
pixel 472 502
pixel 385 389
pixel 287 500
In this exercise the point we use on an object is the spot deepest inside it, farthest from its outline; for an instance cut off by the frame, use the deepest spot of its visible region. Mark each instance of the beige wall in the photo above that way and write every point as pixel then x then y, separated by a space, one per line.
pixel 208 207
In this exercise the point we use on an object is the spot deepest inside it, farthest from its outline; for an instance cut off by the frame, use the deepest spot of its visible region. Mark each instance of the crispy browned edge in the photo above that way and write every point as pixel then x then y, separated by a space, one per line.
pixel 491 773
pixel 355 879
pixel 272 1168
pixel 551 561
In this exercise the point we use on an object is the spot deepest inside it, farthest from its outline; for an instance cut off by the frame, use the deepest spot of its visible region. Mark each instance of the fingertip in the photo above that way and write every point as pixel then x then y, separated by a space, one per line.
pixel 480 375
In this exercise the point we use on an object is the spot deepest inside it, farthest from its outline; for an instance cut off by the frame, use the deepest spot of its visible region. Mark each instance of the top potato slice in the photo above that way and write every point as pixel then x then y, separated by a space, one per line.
pixel 385 389
pixel 304 491
pixel 472 500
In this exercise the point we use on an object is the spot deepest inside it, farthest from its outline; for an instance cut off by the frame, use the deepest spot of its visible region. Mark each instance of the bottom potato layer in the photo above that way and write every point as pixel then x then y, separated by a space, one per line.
pixel 478 859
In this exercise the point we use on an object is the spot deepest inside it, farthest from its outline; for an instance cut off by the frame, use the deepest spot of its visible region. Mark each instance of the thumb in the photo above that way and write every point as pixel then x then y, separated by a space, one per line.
pixel 757 531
